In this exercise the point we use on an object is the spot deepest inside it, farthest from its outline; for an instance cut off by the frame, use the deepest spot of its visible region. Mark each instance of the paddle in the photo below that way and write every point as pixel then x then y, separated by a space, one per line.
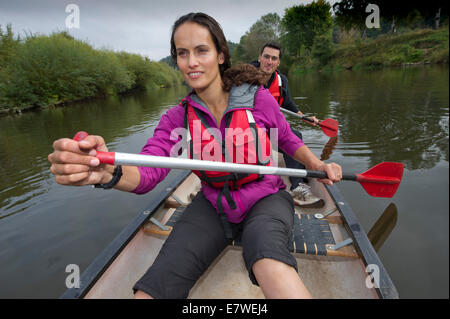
pixel 381 180
pixel 383 227
pixel 328 126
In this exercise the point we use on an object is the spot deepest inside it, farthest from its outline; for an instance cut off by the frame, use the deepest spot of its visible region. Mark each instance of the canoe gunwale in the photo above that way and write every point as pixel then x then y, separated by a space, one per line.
pixel 361 242
pixel 101 263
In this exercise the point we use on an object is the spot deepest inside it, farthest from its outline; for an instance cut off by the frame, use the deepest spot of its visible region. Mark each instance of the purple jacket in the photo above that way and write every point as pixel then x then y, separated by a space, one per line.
pixel 266 113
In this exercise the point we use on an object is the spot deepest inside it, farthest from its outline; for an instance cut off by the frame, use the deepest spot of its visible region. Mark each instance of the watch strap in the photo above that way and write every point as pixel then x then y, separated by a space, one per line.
pixel 116 177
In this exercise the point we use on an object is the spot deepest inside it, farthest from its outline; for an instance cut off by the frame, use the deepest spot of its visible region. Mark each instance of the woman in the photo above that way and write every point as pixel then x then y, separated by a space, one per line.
pixel 260 207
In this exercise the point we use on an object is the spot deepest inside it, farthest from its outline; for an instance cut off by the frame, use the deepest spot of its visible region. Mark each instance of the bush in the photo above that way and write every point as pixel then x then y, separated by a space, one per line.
pixel 138 68
pixel 8 45
pixel 410 54
pixel 47 70
pixel 440 56
pixel 53 69
pixel 373 62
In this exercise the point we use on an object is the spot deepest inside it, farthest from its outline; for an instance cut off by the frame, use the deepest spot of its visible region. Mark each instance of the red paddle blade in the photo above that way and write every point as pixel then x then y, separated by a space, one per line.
pixel 329 127
pixel 382 180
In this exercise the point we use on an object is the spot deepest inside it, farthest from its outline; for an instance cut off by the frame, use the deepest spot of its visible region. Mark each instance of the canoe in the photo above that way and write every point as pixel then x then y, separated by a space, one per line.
pixel 334 255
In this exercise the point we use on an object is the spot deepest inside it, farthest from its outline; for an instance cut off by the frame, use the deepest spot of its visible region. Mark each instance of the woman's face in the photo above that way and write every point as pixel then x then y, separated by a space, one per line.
pixel 197 57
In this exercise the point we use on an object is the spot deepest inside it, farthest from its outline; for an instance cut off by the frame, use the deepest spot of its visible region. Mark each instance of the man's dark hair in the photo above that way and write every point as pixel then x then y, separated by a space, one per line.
pixel 272 45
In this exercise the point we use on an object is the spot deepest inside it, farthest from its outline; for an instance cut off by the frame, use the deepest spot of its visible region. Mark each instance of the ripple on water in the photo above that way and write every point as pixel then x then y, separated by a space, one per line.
pixel 27 190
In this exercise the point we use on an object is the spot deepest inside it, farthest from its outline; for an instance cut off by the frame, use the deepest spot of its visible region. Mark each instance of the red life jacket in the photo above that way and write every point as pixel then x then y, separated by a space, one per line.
pixel 242 144
pixel 276 88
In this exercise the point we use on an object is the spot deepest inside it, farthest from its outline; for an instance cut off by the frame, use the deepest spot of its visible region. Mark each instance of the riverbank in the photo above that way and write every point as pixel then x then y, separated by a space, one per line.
pixel 425 46
pixel 49 70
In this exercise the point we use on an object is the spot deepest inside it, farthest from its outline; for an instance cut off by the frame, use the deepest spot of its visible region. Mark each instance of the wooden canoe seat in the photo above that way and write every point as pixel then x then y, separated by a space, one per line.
pixel 311 236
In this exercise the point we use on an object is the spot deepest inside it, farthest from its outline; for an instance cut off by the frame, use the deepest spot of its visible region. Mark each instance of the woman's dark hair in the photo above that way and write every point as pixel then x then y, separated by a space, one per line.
pixel 214 29
pixel 242 73
pixel 231 76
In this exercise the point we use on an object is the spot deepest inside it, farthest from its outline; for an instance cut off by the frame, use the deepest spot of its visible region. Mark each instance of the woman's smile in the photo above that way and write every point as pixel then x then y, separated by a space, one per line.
pixel 194 75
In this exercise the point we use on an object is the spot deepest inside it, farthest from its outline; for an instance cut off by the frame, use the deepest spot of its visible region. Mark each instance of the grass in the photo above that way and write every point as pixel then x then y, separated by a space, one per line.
pixel 414 47
pixel 422 46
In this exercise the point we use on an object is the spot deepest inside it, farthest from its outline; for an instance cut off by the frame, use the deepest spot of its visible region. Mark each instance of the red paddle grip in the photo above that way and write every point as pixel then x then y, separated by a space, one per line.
pixel 103 157
pixel 106 157
pixel 81 135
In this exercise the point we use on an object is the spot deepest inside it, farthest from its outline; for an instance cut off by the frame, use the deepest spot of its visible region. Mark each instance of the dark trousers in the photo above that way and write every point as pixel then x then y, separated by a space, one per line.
pixel 292 163
pixel 199 237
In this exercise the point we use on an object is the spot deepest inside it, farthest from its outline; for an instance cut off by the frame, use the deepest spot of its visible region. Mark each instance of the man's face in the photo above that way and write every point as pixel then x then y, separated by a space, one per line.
pixel 269 60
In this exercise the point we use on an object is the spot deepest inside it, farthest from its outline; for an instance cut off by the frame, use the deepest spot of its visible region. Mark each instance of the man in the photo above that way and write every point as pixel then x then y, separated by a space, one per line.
pixel 268 61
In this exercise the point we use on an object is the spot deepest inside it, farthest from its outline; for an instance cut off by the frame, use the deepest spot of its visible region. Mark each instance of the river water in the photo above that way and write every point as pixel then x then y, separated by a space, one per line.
pixel 396 115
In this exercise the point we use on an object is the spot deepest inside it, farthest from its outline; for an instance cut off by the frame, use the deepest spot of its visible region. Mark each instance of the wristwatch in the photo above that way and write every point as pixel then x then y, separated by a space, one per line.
pixel 116 177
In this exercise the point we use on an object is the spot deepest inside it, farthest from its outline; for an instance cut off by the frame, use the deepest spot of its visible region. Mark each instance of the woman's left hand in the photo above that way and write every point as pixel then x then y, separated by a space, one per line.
pixel 334 172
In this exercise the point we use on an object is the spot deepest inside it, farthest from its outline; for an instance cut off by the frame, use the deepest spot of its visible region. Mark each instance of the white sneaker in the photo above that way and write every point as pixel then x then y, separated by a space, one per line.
pixel 303 197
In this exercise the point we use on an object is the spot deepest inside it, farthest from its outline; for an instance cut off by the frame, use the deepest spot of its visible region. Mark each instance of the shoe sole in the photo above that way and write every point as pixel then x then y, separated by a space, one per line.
pixel 318 204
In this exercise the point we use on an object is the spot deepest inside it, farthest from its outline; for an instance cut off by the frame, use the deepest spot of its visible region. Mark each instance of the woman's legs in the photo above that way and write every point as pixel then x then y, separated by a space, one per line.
pixel 265 238
pixel 142 295
pixel 195 241
pixel 279 280
pixel 266 233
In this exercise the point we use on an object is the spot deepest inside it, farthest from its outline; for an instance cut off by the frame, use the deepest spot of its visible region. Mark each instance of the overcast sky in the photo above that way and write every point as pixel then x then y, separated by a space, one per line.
pixel 137 26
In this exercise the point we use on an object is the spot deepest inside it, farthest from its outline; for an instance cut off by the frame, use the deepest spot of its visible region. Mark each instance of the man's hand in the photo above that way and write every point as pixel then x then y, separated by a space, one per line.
pixel 316 121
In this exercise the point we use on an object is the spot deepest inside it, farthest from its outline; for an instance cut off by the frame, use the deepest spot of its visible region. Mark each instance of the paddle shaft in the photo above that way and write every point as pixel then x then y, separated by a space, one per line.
pixel 382 180
pixel 297 115
pixel 115 158
pixel 329 126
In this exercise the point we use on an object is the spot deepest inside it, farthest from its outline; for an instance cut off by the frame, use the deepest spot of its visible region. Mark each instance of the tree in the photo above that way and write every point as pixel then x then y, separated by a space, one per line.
pixel 304 23
pixel 352 13
pixel 8 44
pixel 266 29
pixel 322 49
pixel 169 61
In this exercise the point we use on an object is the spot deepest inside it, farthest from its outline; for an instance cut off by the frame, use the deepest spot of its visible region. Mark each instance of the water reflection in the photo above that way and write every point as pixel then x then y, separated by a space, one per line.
pixel 328 148
pixel 383 227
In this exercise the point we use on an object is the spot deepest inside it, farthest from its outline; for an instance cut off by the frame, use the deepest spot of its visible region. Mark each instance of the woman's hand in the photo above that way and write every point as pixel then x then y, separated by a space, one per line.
pixel 74 163
pixel 333 170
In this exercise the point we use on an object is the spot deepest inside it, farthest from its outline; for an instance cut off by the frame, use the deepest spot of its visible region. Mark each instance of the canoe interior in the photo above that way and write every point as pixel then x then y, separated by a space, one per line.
pixel 325 276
